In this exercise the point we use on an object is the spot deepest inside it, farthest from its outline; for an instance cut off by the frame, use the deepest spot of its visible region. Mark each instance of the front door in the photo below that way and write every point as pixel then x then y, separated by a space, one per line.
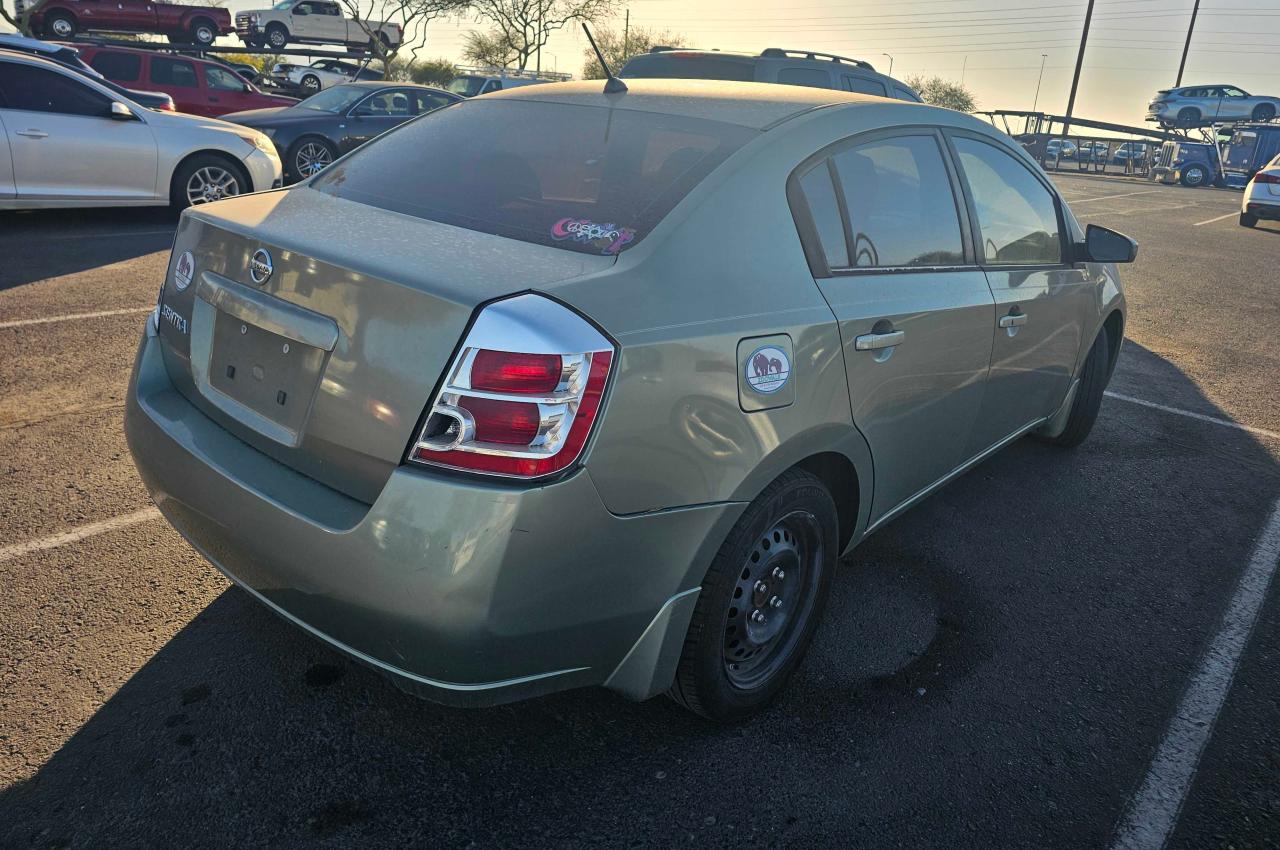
pixel 177 78
pixel 225 91
pixel 915 311
pixel 64 144
pixel 1041 299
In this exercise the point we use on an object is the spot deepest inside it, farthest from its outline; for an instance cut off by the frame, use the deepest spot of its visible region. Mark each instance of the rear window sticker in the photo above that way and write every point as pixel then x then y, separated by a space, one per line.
pixel 609 238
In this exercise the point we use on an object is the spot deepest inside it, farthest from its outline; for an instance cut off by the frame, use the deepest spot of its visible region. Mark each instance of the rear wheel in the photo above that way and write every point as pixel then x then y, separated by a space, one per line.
pixel 203 32
pixel 1264 112
pixel 60 24
pixel 1195 175
pixel 310 84
pixel 205 178
pixel 1248 220
pixel 760 601
pixel 1088 400
pixel 277 36
pixel 310 155
pixel 1188 117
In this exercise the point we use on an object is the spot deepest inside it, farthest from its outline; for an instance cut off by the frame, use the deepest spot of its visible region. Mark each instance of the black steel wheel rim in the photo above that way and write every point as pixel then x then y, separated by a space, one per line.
pixel 772 599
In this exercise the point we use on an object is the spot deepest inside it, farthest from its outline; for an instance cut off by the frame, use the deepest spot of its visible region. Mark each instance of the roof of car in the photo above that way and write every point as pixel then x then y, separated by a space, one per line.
pixel 15 40
pixel 756 105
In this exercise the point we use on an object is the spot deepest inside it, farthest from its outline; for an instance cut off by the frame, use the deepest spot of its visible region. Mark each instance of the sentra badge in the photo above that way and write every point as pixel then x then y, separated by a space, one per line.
pixel 184 270
pixel 260 267
pixel 768 369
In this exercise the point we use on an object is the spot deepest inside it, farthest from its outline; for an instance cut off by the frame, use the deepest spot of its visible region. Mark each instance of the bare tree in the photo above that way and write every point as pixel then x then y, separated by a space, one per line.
pixel 525 25
pixel 20 18
pixel 411 15
pixel 617 49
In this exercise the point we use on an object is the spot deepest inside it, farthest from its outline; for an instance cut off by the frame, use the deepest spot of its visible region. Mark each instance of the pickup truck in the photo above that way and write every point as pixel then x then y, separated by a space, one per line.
pixel 62 19
pixel 311 22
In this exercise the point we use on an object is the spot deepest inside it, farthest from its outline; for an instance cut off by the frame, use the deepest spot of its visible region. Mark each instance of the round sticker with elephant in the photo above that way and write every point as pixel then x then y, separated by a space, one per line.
pixel 768 369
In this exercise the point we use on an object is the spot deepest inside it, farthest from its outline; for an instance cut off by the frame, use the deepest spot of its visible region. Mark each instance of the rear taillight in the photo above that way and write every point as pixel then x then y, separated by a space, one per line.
pixel 1263 177
pixel 522 396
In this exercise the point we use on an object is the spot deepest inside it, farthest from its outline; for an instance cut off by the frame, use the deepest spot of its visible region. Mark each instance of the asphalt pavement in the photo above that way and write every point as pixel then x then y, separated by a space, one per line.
pixel 1017 662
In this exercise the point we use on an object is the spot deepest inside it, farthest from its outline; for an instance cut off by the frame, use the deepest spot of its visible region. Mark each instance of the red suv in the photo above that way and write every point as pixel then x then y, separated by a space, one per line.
pixel 197 86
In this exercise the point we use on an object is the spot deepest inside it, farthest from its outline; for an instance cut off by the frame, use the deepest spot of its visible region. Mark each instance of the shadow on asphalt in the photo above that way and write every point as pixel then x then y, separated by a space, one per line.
pixel 41 244
pixel 995 669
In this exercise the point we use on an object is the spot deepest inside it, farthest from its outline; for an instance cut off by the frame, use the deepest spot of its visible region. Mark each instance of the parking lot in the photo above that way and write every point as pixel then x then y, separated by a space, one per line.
pixel 1031 658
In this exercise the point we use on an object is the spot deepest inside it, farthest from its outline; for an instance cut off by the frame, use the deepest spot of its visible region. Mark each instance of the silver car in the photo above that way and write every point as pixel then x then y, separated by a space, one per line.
pixel 1197 106
pixel 605 401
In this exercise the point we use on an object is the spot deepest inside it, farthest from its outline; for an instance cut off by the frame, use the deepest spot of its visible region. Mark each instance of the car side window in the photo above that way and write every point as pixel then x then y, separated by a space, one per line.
pixel 811 77
pixel 42 90
pixel 1017 214
pixel 121 67
pixel 222 80
pixel 820 194
pixel 1233 92
pixel 901 209
pixel 862 85
pixel 905 94
pixel 173 72
pixel 426 102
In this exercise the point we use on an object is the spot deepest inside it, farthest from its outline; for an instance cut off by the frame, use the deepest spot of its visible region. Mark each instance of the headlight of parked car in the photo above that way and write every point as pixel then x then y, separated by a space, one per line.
pixel 259 141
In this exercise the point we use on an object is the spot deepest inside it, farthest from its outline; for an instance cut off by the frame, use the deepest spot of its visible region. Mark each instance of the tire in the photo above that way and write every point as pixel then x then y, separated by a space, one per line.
pixel 1188 117
pixel 1195 176
pixel 1088 400
pixel 277 36
pixel 61 25
pixel 310 85
pixel 783 548
pixel 1264 112
pixel 1248 220
pixel 309 156
pixel 205 169
pixel 203 32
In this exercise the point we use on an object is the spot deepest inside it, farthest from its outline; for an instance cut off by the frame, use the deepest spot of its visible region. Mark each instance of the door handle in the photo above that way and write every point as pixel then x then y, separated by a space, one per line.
pixel 1013 320
pixel 34 134
pixel 874 342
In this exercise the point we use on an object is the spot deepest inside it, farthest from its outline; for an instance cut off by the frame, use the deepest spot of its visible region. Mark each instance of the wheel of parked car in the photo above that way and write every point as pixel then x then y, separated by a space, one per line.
pixel 277 35
pixel 760 601
pixel 1088 398
pixel 203 31
pixel 1195 175
pixel 1264 112
pixel 310 84
pixel 60 24
pixel 205 178
pixel 1188 117
pixel 1248 220
pixel 310 155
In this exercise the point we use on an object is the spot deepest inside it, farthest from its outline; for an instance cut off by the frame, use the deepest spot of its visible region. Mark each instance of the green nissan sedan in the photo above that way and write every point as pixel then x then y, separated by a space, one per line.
pixel 563 387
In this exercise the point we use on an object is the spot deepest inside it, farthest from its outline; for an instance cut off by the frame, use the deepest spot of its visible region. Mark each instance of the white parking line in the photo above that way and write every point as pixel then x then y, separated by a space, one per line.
pixel 1192 415
pixel 17 550
pixel 1153 812
pixel 125 311
pixel 1109 197
pixel 1219 218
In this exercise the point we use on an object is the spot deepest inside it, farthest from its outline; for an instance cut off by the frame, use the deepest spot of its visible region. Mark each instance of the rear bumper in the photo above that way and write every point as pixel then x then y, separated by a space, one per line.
pixel 1264 208
pixel 463 592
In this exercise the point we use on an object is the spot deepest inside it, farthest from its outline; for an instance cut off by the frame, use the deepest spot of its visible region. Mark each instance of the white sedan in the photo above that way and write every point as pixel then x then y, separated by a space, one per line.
pixel 1262 196
pixel 66 141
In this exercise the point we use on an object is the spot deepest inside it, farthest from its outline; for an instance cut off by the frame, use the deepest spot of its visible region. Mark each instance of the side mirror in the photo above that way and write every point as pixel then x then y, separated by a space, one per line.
pixel 1103 245
pixel 120 112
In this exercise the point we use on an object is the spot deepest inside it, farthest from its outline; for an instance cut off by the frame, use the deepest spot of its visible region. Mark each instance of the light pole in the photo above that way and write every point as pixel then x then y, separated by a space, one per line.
pixel 890 63
pixel 1043 56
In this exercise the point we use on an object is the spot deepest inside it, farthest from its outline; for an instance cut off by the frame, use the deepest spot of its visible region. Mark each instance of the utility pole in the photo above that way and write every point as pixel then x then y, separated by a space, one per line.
pixel 1043 56
pixel 890 63
pixel 626 37
pixel 1186 47
pixel 963 67
pixel 1075 80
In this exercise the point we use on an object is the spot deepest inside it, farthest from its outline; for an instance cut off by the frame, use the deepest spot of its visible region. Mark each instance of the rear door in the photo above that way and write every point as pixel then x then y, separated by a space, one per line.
pixel 1041 299
pixel 915 311
pixel 135 15
pixel 64 145
pixel 178 78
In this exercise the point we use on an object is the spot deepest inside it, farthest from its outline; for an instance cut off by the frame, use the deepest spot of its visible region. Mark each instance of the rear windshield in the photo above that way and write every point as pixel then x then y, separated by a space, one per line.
pixel 586 178
pixel 467 86
pixel 688 66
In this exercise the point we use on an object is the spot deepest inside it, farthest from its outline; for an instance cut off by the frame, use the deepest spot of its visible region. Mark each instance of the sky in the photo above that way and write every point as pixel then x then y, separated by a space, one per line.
pixel 993 47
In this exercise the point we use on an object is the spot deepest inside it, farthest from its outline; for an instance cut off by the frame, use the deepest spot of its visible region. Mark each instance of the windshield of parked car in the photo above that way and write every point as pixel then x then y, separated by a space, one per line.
pixel 585 178
pixel 334 100
pixel 284 5
pixel 466 86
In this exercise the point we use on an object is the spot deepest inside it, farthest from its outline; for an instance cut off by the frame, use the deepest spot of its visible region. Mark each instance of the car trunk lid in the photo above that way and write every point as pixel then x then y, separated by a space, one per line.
pixel 327 364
